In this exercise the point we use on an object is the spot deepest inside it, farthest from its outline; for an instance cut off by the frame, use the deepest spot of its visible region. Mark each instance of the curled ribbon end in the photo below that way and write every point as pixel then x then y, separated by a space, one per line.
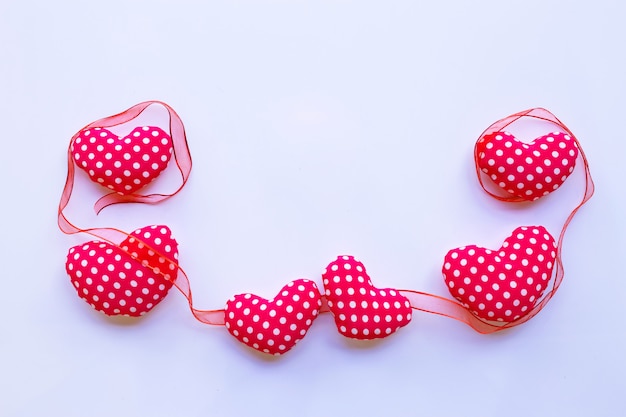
pixel 110 199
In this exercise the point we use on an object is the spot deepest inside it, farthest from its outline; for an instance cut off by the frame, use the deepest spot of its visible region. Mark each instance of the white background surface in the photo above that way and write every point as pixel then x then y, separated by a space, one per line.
pixel 317 128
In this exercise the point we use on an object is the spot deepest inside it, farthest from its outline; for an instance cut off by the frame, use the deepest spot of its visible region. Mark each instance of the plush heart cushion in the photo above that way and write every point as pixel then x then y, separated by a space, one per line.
pixel 361 310
pixel 527 170
pixel 129 279
pixel 122 164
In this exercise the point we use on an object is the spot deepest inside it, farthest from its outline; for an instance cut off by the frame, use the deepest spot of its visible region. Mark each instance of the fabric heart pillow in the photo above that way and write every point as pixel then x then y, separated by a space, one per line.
pixel 274 326
pixel 129 279
pixel 361 310
pixel 122 164
pixel 527 170
pixel 504 284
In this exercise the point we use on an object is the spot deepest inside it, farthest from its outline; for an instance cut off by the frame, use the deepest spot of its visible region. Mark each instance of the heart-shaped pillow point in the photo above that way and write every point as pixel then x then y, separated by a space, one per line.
pixel 528 171
pixel 362 311
pixel 122 164
pixel 274 326
pixel 505 284
pixel 129 279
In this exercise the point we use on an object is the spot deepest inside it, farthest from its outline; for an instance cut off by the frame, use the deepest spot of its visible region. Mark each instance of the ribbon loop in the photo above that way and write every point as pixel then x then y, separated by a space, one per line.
pixel 429 303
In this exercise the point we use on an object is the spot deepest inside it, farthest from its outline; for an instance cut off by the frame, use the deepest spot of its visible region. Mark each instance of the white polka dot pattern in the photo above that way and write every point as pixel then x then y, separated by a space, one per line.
pixel 505 284
pixel 274 326
pixel 528 171
pixel 129 279
pixel 362 311
pixel 126 164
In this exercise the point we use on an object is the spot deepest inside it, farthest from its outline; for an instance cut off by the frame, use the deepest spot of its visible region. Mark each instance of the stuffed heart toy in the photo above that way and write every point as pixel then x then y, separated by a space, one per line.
pixel 527 170
pixel 122 164
pixel 129 279
pixel 361 310
pixel 274 326
pixel 504 284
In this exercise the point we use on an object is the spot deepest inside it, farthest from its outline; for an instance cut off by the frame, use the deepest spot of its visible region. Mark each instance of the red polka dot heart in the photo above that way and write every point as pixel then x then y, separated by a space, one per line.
pixel 129 279
pixel 527 170
pixel 123 164
pixel 502 284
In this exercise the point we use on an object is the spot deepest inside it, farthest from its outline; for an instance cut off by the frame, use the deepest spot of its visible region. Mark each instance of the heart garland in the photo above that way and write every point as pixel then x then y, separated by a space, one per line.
pixel 492 289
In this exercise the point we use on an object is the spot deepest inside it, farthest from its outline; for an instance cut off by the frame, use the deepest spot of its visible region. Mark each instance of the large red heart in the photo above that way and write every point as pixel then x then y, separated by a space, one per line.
pixel 129 279
pixel 504 284
pixel 528 171
pixel 123 164
pixel 361 310
pixel 274 326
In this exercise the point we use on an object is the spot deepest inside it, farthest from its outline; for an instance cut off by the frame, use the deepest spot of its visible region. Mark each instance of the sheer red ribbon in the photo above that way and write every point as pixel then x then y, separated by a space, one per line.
pixel 450 308
pixel 182 158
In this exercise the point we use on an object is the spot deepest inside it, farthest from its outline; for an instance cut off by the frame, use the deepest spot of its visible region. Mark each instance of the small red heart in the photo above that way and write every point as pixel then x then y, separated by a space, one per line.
pixel 528 171
pixel 274 326
pixel 123 164
pixel 505 284
pixel 361 310
pixel 129 279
